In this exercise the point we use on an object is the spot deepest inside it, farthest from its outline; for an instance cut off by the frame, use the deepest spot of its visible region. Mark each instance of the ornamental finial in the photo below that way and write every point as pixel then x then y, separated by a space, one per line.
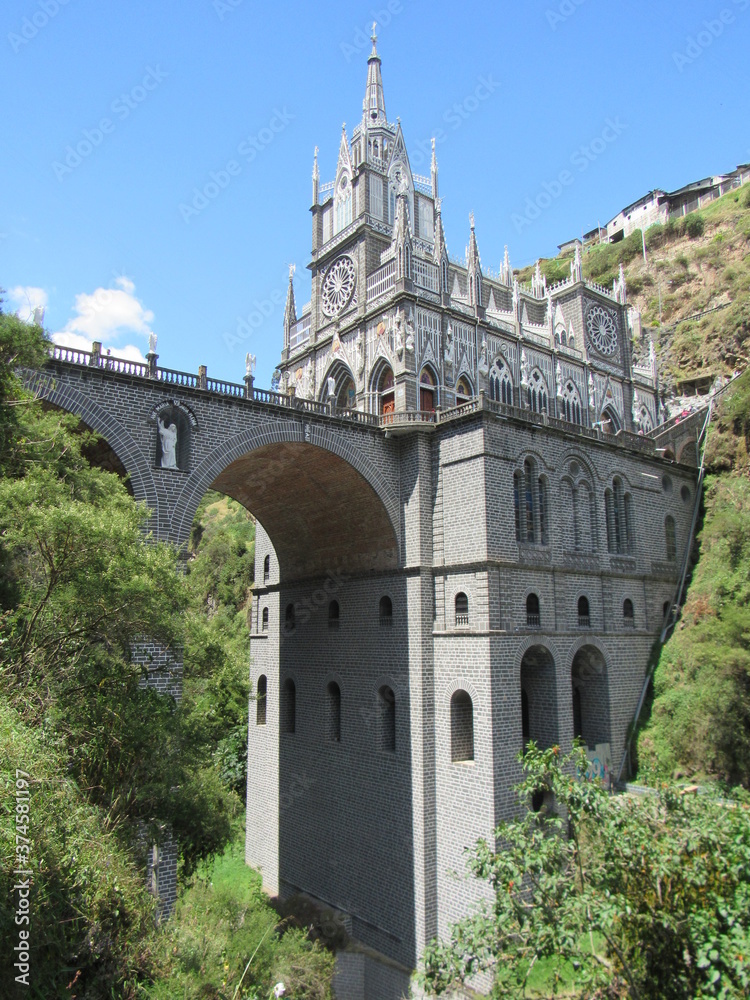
pixel 292 269
pixel 374 35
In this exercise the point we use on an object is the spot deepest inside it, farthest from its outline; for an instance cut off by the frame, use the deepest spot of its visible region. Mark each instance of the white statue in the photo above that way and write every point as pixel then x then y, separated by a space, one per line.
pixel 152 343
pixel 410 336
pixel 168 439
pixel 450 350
pixel 249 365
pixel 483 366
pixel 399 334
pixel 524 369
pixel 331 387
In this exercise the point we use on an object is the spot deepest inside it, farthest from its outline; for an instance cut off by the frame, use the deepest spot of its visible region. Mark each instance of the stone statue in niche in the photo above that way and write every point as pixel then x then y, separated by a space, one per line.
pixel 168 440
pixel 450 349
pixel 409 336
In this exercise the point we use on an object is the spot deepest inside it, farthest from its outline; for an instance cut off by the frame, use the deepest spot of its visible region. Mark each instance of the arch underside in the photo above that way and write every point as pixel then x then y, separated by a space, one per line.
pixel 320 513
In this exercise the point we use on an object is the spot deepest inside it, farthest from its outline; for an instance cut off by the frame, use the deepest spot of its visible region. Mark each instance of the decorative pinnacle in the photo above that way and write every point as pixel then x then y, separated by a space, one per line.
pixel 374 35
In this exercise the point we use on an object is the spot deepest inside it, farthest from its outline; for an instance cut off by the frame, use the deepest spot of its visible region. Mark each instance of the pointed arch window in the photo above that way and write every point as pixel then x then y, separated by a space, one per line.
pixel 538 393
pixel 463 391
pixel 444 270
pixel 427 391
pixel 501 384
pixel 266 569
pixel 265 620
pixel 571 403
pixel 343 206
pixel 376 193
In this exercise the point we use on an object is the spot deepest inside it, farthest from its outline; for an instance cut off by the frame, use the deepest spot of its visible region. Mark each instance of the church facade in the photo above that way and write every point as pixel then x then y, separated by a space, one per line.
pixel 536 546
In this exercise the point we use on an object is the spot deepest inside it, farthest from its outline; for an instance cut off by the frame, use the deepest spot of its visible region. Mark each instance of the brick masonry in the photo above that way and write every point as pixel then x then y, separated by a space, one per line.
pixel 349 514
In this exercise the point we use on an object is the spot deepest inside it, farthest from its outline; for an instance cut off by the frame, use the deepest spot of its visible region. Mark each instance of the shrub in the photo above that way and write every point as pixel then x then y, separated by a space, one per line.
pixel 693 225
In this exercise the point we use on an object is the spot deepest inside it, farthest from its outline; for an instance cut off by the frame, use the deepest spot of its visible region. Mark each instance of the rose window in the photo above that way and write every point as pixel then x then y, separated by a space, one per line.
pixel 601 330
pixel 338 286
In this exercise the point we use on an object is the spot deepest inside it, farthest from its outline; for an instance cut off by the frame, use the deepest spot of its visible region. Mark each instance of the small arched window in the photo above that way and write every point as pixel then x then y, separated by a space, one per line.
pixel 462 728
pixel 289 622
pixel 670 538
pixel 387 718
pixel 462 609
pixel 260 701
pixel 333 615
pixel 533 617
pixel 266 569
pixel 333 714
pixel 584 617
pixel 386 612
pixel 264 619
pixel 288 707
pixel 628 616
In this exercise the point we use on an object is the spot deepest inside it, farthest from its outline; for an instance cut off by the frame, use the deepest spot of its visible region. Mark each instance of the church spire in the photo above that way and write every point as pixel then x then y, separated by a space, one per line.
pixel 290 312
pixel 374 97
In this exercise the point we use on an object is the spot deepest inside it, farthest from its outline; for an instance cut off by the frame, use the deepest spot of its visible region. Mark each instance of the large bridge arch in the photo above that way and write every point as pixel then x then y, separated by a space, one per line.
pixel 67 398
pixel 323 506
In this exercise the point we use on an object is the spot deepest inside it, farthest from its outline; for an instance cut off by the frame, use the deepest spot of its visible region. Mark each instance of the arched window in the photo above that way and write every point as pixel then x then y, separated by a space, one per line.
pixel 529 471
pixel 386 612
pixel 260 701
pixel 517 491
pixel 343 205
pixel 501 384
pixel 462 609
pixel 333 614
pixel 533 617
pixel 571 403
pixel 462 728
pixel 610 422
pixel 288 712
pixel 427 391
pixel 266 569
pixel 628 616
pixel 387 718
pixel 444 269
pixel 289 622
pixel 538 394
pixel 463 391
pixel 386 393
pixel 584 617
pixel 670 538
pixel 265 619
pixel 333 713
pixel 618 509
pixel 543 511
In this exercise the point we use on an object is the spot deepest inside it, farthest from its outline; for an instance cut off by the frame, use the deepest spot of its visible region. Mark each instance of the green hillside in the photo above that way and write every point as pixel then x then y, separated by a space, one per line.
pixel 694 264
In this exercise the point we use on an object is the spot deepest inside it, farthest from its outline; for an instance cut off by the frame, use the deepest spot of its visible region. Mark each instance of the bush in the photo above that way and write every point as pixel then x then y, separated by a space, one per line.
pixel 693 225
pixel 646 896
pixel 745 200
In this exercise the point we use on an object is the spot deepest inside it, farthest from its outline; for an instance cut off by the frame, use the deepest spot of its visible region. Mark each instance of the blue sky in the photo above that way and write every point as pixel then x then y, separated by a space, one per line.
pixel 116 113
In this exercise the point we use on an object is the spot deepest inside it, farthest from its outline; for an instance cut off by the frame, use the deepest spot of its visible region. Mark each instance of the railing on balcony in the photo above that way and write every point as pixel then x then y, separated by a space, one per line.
pixel 533 620
pixel 299 334
pixel 425 275
pixel 382 281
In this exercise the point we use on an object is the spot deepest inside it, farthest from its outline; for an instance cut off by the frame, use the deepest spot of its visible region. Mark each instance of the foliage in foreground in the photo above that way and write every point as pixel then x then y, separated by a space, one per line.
pixel 699 722
pixel 647 897
pixel 221 922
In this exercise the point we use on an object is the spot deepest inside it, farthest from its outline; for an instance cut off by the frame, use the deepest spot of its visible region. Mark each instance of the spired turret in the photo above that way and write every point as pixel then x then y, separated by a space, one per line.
pixel 374 103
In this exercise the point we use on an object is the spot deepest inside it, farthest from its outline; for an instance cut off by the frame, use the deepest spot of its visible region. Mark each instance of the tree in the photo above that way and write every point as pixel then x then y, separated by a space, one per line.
pixel 641 896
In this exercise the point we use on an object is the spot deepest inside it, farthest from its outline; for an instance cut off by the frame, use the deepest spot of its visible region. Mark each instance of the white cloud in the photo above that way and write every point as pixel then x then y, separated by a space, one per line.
pixel 107 315
pixel 26 299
